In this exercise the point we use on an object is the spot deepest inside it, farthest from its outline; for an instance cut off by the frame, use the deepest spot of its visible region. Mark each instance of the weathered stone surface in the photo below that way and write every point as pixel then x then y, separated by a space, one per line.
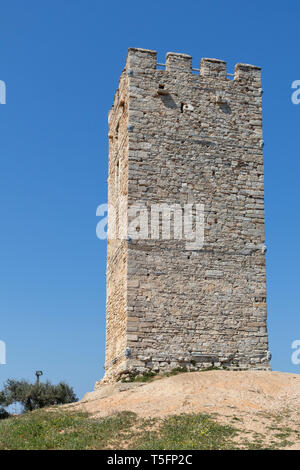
pixel 179 137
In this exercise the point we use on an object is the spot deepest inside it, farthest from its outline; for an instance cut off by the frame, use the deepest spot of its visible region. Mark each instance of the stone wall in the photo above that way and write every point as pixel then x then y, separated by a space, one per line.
pixel 180 136
pixel 116 273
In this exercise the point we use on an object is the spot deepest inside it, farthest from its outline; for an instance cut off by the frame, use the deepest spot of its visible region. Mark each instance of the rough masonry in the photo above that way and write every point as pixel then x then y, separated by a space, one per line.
pixel 178 136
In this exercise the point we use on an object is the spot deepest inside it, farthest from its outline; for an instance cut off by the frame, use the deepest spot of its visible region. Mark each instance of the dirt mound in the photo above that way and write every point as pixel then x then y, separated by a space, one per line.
pixel 255 398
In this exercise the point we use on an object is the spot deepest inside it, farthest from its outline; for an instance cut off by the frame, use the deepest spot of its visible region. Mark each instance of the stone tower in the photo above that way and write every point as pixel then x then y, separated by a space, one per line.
pixel 181 137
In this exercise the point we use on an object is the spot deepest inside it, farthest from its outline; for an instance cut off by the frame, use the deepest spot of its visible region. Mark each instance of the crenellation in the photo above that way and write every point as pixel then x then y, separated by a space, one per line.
pixel 141 59
pixel 178 62
pixel 213 68
pixel 248 73
pixel 145 60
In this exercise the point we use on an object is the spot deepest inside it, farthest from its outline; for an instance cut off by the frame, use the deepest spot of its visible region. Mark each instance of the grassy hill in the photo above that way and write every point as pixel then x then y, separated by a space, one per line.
pixel 248 410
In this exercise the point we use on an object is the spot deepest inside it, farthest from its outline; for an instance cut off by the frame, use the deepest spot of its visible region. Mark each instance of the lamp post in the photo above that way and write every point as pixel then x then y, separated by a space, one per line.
pixel 38 374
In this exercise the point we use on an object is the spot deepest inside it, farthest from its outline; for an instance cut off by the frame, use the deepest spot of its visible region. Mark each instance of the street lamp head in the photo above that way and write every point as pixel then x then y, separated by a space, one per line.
pixel 38 373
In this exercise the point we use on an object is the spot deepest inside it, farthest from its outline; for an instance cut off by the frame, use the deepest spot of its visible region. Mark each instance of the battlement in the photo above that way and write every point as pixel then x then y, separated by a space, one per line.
pixel 146 60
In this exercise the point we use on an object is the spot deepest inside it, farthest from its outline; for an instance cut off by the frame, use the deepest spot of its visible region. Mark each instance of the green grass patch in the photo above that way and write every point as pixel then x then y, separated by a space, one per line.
pixel 60 429
pixel 196 431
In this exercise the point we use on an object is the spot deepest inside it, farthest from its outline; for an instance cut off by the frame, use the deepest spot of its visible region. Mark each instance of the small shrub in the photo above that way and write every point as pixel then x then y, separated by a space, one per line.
pixel 145 377
pixel 4 414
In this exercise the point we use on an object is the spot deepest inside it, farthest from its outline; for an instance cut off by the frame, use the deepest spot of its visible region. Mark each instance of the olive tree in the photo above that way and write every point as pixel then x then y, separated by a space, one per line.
pixel 37 395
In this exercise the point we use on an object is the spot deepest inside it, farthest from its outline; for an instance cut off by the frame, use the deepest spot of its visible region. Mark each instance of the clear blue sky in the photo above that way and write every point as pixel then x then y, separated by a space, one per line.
pixel 61 60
